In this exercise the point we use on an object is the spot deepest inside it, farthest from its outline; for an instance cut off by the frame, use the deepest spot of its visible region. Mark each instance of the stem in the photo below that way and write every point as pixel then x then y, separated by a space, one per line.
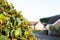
pixel 11 38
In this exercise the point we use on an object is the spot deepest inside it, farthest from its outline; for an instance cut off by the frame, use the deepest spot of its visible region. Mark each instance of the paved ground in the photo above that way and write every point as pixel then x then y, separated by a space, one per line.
pixel 41 36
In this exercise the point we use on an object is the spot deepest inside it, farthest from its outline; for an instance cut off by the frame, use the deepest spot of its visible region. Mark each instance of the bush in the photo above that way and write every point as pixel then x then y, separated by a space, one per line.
pixel 12 23
pixel 59 31
pixel 55 31
pixel 45 32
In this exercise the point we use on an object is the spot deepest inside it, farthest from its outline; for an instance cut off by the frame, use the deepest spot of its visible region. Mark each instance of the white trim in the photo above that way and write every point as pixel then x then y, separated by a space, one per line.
pixel 56 22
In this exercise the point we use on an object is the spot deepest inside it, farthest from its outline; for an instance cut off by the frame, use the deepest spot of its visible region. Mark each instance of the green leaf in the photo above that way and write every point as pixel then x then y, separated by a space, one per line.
pixel 19 21
pixel 2 37
pixel 14 23
pixel 18 32
pixel 1 16
pixel 5 1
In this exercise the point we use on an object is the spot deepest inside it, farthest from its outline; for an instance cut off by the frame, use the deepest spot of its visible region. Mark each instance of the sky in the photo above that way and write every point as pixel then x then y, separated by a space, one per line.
pixel 33 10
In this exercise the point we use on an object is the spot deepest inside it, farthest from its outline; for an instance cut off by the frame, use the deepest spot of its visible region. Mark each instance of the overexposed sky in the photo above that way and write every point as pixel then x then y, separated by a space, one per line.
pixel 33 10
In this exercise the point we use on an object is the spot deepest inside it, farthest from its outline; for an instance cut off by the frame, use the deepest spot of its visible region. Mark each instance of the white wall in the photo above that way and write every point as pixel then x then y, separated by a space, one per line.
pixel 39 26
pixel 32 27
